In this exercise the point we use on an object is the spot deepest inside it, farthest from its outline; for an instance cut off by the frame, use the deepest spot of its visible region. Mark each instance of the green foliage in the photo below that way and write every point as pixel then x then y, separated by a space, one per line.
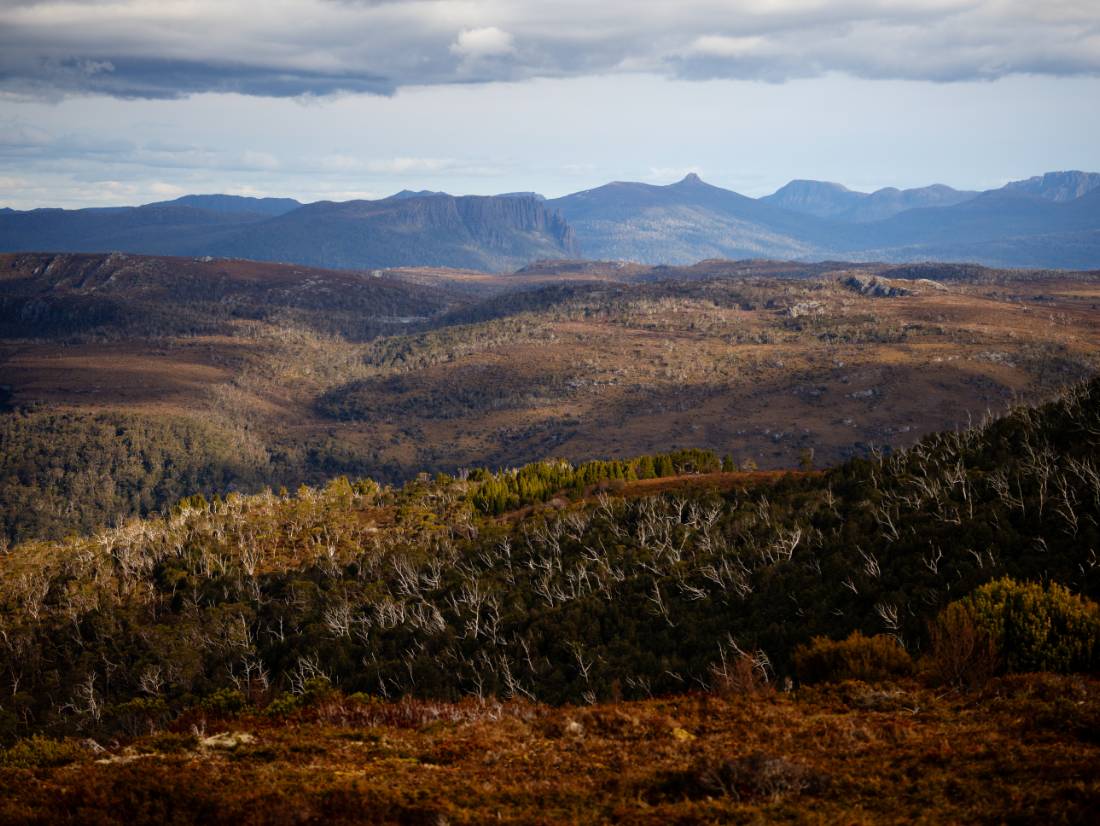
pixel 317 690
pixel 1038 628
pixel 510 489
pixel 870 659
pixel 66 473
pixel 42 752
pixel 283 706
pixel 418 591
pixel 138 715
pixel 225 702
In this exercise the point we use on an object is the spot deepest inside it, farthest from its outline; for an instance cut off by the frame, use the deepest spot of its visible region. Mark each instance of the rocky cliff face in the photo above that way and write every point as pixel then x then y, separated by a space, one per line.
pixel 1058 186
pixel 477 232
pixel 494 220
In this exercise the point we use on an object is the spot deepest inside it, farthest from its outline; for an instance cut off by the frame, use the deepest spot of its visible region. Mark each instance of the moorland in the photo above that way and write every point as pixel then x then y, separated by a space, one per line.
pixel 131 382
pixel 595 541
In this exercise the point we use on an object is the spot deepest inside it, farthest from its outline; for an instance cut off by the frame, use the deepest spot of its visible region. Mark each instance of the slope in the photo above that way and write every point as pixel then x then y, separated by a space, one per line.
pixel 685 222
pixel 831 200
pixel 485 233
pixel 419 591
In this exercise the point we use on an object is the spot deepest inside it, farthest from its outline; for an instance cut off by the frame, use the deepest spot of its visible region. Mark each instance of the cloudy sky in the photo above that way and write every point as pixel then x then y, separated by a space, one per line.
pixel 127 101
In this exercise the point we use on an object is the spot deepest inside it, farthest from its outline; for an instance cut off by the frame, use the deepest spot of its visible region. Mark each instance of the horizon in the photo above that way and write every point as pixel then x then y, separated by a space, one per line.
pixel 428 192
pixel 135 102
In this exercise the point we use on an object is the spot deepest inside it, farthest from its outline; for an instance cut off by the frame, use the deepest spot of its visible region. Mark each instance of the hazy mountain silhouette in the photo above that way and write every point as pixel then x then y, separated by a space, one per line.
pixel 235 204
pixel 831 200
pixel 690 220
pixel 1052 220
pixel 487 233
pixel 685 222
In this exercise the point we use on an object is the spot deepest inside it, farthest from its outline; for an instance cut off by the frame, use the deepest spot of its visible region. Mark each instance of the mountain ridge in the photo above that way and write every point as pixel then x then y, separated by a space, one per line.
pixel 1052 220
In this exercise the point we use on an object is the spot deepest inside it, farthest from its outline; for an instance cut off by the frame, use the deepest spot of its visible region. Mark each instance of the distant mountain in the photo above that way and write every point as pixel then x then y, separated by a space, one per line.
pixel 683 223
pixel 1051 220
pixel 1058 186
pixel 1004 228
pixel 235 204
pixel 537 196
pixel 168 229
pixel 830 200
pixel 487 233
pixel 690 220
pixel 475 232
pixel 820 198
pixel 405 194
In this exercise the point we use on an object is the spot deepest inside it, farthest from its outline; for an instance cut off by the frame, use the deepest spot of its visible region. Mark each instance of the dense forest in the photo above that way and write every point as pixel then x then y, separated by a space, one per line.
pixel 550 582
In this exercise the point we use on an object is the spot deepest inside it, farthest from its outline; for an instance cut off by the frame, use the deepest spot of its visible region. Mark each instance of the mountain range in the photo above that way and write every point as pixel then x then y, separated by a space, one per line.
pixel 1052 220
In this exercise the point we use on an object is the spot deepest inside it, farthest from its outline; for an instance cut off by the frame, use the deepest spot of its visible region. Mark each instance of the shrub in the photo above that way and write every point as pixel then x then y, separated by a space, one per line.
pixel 41 752
pixel 755 777
pixel 1036 628
pixel 962 652
pixel 138 716
pixel 283 706
pixel 225 702
pixel 870 659
pixel 741 675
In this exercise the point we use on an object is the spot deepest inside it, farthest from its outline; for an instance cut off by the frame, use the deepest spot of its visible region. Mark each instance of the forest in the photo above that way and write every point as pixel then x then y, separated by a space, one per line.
pixel 558 583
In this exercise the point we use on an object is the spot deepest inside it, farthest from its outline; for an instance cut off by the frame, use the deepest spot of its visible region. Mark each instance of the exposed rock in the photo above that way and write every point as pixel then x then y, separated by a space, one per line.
pixel 804 308
pixel 227 740
pixel 874 286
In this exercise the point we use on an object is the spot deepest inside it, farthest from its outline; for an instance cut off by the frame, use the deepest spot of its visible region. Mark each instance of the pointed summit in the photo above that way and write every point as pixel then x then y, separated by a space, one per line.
pixel 691 178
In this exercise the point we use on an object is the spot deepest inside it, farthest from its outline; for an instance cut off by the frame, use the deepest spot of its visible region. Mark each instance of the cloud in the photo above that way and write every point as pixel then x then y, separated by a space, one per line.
pixel 301 48
pixel 488 41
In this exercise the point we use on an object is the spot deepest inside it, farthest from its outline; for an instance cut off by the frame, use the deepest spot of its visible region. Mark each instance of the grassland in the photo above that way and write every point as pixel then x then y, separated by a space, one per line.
pixel 1023 751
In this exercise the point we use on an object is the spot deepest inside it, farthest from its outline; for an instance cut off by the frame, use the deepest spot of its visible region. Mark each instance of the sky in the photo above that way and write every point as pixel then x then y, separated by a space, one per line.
pixel 108 102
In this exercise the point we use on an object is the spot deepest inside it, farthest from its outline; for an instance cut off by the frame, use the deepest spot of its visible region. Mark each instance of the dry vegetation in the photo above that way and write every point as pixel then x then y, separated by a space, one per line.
pixel 1025 750
pixel 860 644
pixel 759 360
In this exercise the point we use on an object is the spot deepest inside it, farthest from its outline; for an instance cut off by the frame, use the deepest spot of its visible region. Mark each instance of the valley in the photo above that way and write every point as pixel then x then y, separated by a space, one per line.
pixel 299 374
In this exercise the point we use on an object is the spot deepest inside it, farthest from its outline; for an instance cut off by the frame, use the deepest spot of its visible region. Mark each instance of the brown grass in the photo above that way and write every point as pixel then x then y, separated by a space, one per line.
pixel 852 753
pixel 656 374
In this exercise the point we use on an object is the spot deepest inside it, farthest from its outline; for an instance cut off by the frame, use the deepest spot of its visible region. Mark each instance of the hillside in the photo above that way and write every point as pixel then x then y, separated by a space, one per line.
pixel 485 233
pixel 597 589
pixel 491 233
pixel 683 223
pixel 669 637
pixel 288 375
pixel 1017 226
pixel 128 296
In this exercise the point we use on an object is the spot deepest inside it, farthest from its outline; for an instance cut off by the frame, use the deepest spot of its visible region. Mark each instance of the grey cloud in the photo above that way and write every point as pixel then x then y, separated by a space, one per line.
pixel 148 49
pixel 152 78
